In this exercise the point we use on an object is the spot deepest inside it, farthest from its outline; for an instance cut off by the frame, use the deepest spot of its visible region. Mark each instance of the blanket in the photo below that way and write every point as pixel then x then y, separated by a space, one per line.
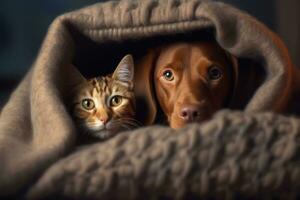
pixel 36 130
pixel 234 156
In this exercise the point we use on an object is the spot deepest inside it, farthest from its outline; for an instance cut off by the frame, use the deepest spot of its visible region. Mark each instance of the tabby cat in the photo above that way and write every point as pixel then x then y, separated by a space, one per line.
pixel 105 105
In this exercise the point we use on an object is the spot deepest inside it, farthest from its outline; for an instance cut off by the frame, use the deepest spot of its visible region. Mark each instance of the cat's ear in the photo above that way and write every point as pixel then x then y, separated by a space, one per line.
pixel 125 70
pixel 72 79
pixel 75 76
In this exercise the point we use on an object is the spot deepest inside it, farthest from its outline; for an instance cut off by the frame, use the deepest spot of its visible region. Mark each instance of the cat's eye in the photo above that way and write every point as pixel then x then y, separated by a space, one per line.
pixel 115 101
pixel 168 75
pixel 214 72
pixel 88 104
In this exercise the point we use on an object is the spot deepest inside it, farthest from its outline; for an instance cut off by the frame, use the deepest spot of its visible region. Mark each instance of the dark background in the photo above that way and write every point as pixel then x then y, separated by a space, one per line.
pixel 23 25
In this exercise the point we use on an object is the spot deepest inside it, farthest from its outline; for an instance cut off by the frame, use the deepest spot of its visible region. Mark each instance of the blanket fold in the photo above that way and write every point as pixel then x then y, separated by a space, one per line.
pixel 36 130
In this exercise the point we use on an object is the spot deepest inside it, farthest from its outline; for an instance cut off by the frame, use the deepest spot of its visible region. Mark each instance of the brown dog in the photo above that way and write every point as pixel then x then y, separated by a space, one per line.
pixel 191 81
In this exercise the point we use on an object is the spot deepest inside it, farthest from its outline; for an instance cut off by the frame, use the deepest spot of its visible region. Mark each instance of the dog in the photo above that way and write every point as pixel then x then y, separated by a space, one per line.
pixel 191 81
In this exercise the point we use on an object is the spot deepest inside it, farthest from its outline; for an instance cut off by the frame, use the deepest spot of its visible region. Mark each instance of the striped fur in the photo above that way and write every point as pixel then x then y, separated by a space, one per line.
pixel 104 120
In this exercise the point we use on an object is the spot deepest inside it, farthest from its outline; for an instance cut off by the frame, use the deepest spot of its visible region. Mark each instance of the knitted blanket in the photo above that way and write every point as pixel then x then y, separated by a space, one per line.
pixel 241 154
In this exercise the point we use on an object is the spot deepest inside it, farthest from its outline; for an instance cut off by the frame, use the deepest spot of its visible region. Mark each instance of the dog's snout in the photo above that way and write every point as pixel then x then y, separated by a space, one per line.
pixel 189 113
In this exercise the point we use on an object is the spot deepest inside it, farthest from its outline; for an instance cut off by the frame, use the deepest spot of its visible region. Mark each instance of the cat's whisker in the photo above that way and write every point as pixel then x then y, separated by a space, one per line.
pixel 127 125
pixel 130 121
pixel 124 125
pixel 132 124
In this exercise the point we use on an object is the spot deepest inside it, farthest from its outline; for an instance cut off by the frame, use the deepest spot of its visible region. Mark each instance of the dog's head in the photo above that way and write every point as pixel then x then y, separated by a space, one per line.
pixel 191 81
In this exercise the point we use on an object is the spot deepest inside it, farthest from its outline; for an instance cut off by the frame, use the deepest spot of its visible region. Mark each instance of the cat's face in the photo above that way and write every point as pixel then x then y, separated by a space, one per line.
pixel 105 105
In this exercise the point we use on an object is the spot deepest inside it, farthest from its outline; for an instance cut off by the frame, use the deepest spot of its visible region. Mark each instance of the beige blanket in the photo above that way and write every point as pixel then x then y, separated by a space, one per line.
pixel 36 129
pixel 234 156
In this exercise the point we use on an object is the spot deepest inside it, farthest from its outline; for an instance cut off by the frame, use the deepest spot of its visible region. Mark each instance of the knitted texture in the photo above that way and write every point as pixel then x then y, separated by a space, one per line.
pixel 233 156
pixel 36 129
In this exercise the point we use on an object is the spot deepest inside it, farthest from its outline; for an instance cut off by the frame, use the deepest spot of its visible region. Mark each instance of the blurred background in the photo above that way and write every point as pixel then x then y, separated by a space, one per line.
pixel 23 25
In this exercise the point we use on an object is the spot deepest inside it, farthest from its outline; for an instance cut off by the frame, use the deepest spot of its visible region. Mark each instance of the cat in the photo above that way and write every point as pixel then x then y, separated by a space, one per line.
pixel 105 105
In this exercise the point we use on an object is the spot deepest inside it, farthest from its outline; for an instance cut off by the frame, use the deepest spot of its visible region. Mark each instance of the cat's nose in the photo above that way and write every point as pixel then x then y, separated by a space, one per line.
pixel 103 120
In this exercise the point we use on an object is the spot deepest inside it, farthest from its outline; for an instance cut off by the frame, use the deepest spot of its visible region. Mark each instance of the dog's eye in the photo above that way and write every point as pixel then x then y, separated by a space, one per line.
pixel 168 75
pixel 214 72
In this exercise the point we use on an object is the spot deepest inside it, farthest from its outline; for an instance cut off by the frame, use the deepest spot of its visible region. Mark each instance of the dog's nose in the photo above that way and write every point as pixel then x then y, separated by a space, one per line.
pixel 189 113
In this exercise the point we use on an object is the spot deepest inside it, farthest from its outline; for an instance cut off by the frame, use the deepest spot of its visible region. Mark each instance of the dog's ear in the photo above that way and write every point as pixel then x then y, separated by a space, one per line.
pixel 144 90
